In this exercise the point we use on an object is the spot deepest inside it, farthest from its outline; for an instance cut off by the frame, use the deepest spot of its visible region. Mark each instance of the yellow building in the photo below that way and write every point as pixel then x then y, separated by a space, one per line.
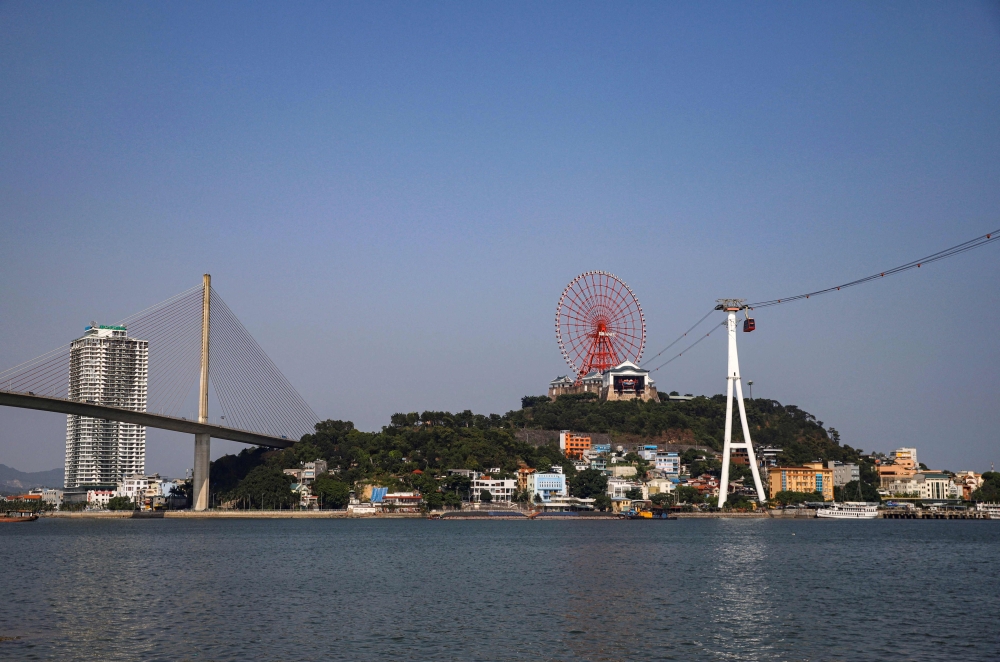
pixel 811 477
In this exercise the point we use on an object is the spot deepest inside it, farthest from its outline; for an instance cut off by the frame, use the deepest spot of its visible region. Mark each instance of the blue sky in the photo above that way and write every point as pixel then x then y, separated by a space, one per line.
pixel 392 196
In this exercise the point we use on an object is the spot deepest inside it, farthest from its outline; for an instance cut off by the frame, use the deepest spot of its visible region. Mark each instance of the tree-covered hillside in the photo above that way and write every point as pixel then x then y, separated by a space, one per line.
pixel 414 448
pixel 698 421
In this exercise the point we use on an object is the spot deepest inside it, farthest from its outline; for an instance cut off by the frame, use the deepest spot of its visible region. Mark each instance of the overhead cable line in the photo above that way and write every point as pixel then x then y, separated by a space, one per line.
pixel 915 264
pixel 982 240
pixel 677 356
pixel 684 335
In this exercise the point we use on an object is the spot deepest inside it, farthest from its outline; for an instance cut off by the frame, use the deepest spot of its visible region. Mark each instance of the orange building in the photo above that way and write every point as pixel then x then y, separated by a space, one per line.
pixel 573 446
pixel 812 477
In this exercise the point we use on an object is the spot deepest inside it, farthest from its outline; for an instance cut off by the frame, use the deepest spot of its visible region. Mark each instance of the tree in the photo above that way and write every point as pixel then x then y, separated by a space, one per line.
pixel 856 491
pixel 660 499
pixel 788 497
pixel 688 494
pixel 331 493
pixel 588 484
pixel 452 500
pixel 486 496
pixel 633 493
pixel 989 491
pixel 120 503
pixel 602 502
pixel 265 487
pixel 433 500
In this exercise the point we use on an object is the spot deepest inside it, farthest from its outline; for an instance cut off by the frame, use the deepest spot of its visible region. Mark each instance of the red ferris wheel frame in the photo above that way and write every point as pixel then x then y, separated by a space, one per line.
pixel 599 323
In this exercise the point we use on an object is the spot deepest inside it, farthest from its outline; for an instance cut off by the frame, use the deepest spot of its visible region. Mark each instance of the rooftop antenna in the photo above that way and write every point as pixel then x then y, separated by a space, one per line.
pixel 733 306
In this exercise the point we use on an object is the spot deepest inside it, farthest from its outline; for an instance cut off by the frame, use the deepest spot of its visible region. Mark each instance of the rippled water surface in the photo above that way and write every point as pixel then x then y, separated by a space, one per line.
pixel 500 590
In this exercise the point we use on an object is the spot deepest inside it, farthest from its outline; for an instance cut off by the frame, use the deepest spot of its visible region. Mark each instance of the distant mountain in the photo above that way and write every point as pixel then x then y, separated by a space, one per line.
pixel 12 480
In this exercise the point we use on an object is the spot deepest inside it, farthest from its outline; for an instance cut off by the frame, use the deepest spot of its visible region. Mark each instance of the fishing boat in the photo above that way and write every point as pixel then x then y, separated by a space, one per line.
pixel 849 510
pixel 18 516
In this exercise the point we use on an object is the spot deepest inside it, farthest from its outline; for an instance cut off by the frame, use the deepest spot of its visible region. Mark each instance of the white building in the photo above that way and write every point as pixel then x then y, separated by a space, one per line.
pixel 547 486
pixel 617 487
pixel 106 367
pixel 51 497
pixel 668 463
pixel 627 381
pixel 501 489
pixel 922 485
pixel 98 499
pixel 139 487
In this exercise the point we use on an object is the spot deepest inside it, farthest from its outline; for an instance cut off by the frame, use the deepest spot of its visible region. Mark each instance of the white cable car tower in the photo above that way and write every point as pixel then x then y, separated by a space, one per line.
pixel 733 306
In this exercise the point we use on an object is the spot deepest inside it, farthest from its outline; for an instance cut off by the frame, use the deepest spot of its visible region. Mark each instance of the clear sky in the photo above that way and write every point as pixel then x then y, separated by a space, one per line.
pixel 391 196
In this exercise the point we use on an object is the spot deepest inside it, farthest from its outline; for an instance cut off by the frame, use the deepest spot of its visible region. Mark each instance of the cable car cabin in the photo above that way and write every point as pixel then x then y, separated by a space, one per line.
pixel 749 325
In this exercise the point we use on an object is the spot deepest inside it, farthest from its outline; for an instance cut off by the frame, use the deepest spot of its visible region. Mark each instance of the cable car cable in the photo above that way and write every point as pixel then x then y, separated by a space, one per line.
pixel 982 240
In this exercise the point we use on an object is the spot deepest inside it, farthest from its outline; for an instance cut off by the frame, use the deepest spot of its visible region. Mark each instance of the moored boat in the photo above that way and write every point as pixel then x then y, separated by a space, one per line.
pixel 16 516
pixel 849 510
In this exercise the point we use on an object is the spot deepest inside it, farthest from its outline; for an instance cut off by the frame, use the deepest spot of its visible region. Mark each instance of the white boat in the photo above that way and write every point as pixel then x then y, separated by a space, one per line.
pixel 849 510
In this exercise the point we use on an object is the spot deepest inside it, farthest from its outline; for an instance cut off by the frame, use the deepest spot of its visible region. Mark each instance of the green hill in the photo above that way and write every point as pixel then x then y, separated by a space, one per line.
pixel 414 448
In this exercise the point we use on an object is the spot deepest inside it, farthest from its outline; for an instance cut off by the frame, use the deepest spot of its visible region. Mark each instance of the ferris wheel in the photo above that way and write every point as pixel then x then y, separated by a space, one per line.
pixel 599 323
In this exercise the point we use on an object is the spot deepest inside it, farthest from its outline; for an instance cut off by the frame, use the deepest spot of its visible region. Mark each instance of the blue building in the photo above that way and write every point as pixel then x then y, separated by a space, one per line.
pixel 547 486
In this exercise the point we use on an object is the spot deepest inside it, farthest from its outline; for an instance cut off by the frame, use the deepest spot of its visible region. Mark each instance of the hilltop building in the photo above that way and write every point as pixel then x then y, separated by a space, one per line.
pixel 106 367
pixel 626 381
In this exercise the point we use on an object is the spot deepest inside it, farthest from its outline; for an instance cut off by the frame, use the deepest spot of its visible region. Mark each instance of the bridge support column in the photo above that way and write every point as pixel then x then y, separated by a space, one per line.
pixel 202 442
pixel 202 462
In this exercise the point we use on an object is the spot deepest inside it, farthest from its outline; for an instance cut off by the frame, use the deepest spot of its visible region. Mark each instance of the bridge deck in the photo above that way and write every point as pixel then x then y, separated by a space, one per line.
pixel 63 406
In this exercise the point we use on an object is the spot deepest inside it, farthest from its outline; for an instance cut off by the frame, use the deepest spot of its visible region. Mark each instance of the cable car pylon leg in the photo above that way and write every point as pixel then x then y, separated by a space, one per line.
pixel 732 306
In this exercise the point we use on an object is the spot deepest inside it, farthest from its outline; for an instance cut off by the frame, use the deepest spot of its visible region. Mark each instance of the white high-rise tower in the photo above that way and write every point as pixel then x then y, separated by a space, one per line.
pixel 106 367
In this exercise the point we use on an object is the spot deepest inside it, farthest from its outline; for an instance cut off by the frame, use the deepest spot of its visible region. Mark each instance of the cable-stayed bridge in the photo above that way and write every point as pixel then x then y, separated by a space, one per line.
pixel 196 345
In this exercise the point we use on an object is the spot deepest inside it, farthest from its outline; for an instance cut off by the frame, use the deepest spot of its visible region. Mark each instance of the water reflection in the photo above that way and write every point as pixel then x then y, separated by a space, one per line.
pixel 684 590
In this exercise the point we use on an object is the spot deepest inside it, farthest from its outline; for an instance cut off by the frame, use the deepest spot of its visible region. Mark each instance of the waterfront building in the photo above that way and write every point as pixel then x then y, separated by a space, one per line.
pixel 403 502
pixel 502 489
pixel 618 487
pixel 811 477
pixel 844 473
pixel 902 487
pixel 661 485
pixel 139 488
pixel 938 485
pixel 52 497
pixel 98 499
pixel 967 482
pixel 547 486
pixel 106 368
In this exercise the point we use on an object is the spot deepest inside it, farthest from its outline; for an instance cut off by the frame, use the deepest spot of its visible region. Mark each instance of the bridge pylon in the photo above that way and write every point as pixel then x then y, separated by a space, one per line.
pixel 203 441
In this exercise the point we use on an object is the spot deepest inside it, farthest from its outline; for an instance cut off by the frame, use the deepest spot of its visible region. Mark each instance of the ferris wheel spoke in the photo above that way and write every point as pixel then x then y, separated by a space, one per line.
pixel 599 323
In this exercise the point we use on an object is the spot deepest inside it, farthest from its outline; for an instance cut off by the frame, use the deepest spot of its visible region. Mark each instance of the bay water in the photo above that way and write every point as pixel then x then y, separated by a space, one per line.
pixel 691 589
